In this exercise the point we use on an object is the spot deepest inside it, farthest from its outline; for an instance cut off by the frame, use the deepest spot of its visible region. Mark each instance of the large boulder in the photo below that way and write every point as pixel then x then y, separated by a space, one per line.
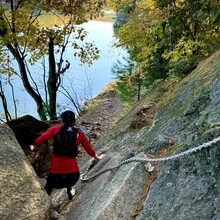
pixel 22 196
pixel 27 129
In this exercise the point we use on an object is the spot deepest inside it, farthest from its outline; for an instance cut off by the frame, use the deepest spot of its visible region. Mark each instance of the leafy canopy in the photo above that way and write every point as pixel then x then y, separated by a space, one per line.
pixel 22 34
pixel 167 37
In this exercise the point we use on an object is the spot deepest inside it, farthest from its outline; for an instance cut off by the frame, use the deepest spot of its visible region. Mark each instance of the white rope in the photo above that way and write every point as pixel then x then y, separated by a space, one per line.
pixel 135 159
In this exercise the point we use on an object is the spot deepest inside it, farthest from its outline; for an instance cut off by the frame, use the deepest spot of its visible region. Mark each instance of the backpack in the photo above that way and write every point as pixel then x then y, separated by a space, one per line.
pixel 64 142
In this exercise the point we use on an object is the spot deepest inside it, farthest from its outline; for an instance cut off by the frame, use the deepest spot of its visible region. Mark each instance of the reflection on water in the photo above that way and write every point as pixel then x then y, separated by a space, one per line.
pixel 82 81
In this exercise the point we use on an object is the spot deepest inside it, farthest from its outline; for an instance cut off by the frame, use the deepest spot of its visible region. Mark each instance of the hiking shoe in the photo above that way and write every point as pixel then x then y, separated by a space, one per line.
pixel 71 193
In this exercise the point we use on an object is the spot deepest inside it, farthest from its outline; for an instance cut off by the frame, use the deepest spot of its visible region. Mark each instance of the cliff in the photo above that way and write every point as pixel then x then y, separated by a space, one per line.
pixel 162 157
pixel 173 119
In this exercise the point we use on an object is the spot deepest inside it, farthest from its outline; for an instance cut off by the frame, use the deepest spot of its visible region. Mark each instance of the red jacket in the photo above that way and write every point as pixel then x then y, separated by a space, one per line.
pixel 62 164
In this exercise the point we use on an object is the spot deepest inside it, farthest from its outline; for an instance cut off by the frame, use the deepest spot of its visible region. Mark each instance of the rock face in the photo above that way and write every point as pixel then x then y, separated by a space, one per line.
pixel 22 196
pixel 26 130
pixel 173 118
pixel 107 196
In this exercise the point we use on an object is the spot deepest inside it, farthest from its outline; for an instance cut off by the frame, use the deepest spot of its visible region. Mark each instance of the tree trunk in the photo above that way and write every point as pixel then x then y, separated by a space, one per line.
pixel 20 60
pixel 26 83
pixel 52 81
pixel 4 103
pixel 139 88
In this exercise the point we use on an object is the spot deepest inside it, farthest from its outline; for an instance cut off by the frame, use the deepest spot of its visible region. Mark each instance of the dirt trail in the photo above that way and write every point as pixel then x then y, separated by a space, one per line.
pixel 105 111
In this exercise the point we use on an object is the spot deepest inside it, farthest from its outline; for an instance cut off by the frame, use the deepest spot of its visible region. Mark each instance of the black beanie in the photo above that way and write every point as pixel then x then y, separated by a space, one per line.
pixel 68 117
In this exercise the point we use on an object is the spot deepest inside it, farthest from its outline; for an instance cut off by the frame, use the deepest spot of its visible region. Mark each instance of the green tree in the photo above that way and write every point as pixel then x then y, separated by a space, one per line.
pixel 129 80
pixel 21 34
pixel 169 36
pixel 192 27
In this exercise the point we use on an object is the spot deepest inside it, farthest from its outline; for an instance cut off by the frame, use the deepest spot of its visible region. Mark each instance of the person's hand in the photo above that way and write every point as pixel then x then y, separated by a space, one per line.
pixel 33 148
pixel 100 157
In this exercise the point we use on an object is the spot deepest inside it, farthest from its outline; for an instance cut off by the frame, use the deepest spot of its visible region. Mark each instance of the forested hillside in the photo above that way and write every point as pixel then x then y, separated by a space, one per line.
pixel 164 38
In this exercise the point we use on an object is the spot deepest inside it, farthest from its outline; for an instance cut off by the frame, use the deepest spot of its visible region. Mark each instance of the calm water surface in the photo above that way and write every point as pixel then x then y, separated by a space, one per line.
pixel 82 81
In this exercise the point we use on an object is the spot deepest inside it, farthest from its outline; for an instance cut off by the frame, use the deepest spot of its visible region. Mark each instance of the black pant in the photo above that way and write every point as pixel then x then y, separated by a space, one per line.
pixel 59 181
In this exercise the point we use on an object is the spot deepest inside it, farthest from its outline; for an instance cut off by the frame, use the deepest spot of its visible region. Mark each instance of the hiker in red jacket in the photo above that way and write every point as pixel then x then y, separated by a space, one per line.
pixel 64 170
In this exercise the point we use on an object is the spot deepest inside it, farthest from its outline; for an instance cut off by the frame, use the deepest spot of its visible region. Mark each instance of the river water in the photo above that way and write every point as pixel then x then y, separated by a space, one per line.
pixel 83 81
